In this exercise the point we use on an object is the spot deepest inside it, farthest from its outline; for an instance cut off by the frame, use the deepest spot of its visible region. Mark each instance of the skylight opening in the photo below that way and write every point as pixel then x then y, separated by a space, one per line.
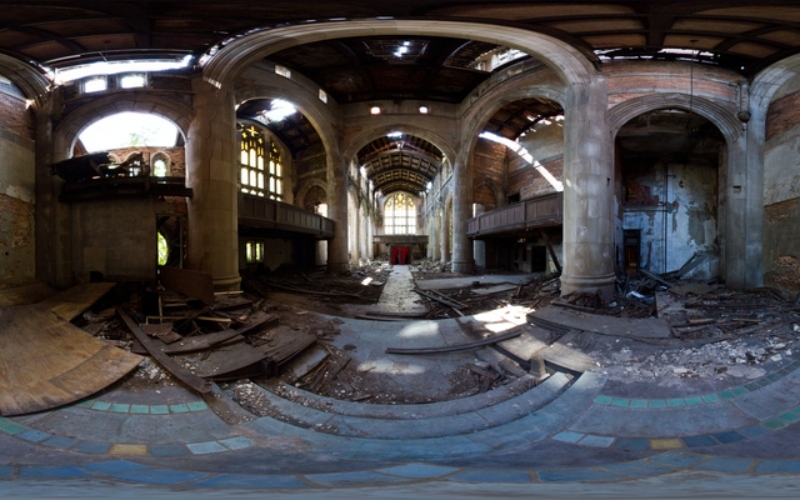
pixel 134 81
pixel 279 110
pixel 128 129
pixel 63 75
pixel 525 155
pixel 394 134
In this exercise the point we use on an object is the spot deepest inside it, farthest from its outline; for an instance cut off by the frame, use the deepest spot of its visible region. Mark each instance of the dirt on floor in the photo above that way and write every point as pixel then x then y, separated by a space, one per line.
pixel 719 335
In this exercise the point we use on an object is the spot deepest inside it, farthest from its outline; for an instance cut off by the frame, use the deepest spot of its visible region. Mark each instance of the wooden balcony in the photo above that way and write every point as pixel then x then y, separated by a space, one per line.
pixel 117 187
pixel 258 212
pixel 544 211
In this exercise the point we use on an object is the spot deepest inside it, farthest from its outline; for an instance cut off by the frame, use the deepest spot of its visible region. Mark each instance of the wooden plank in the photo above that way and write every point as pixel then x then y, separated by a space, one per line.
pixel 71 303
pixel 568 357
pixel 193 284
pixel 201 342
pixel 188 378
pixel 560 319
pixel 454 348
pixel 27 294
pixel 551 250
pixel 46 362
pixel 228 359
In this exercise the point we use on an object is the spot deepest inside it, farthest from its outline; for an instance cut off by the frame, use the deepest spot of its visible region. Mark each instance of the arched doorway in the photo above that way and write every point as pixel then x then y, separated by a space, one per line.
pixel 669 168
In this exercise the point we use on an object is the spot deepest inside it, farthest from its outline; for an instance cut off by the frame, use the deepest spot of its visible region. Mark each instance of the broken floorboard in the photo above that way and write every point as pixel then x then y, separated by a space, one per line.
pixel 185 376
pixel 26 294
pixel 46 362
pixel 71 303
pixel 647 328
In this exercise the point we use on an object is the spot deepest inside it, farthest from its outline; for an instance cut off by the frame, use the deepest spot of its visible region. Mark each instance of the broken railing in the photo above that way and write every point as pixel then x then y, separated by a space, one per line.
pixel 255 211
pixel 547 210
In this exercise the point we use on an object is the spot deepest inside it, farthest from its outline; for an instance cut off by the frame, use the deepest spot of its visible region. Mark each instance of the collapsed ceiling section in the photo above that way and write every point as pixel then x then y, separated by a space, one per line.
pixel 381 68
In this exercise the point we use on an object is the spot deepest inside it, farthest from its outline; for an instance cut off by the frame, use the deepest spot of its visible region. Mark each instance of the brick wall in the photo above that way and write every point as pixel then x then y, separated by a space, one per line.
pixel 15 116
pixel 17 251
pixel 783 115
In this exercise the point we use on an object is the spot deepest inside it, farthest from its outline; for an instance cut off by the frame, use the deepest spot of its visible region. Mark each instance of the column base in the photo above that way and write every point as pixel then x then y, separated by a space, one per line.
pixel 603 285
pixel 338 267
pixel 463 266
pixel 228 284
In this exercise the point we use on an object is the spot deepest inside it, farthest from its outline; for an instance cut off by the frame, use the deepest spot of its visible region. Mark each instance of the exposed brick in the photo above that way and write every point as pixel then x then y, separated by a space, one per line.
pixel 16 117
pixel 783 115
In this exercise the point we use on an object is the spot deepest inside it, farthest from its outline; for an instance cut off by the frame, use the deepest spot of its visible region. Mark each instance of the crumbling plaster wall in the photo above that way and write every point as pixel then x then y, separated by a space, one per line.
pixel 675 207
pixel 17 168
pixel 782 189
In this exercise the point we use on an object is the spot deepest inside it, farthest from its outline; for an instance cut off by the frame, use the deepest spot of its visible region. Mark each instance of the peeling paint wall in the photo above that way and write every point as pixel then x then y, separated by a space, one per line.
pixel 17 245
pixel 675 208
pixel 782 190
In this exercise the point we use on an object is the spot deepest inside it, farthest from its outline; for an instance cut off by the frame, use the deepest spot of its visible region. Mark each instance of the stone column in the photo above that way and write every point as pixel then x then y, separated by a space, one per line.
pixel 463 261
pixel 444 241
pixel 337 211
pixel 588 193
pixel 53 222
pixel 479 246
pixel 748 152
pixel 211 172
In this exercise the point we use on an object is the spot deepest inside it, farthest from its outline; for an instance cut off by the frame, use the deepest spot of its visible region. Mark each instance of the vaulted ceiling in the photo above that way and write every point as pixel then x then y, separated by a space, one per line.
pixel 401 162
pixel 740 34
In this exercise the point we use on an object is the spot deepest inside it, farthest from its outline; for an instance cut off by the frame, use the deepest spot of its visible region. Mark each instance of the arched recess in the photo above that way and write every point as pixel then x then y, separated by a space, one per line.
pixel 307 188
pixel 323 121
pixel 772 160
pixel 227 62
pixel 370 135
pixel 728 211
pixel 27 78
pixel 67 132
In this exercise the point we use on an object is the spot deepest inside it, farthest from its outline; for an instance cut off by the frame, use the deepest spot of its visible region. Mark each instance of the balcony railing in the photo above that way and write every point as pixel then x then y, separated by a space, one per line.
pixel 547 210
pixel 255 211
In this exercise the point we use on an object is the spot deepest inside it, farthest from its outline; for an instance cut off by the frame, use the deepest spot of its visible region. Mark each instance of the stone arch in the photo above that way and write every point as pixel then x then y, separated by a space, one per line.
pixel 306 188
pixel 71 127
pixel 370 135
pixel 723 118
pixel 493 188
pixel 229 61
pixel 730 223
pixel 483 110
pixel 33 84
pixel 769 80
pixel 311 107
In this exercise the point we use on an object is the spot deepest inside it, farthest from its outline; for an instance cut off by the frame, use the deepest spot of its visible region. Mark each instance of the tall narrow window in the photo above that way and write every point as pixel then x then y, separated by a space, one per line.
pixel 255 177
pixel 400 214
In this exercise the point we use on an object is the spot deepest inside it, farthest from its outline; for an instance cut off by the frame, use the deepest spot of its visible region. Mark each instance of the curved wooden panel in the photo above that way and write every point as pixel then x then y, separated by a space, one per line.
pixel 46 362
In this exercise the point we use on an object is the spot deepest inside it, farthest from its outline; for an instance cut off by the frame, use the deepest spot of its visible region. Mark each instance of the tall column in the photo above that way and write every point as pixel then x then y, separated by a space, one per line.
pixel 211 172
pixel 53 222
pixel 337 211
pixel 479 246
pixel 444 241
pixel 463 261
pixel 588 193
pixel 749 153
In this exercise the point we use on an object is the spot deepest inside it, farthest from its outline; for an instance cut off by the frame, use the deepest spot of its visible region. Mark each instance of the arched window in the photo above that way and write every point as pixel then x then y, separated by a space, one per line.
pixel 400 215
pixel 255 178
pixel 160 168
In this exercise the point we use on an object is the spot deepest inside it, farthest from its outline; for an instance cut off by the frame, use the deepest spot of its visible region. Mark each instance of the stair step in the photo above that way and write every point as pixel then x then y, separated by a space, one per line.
pixel 425 425
pixel 517 434
pixel 403 411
